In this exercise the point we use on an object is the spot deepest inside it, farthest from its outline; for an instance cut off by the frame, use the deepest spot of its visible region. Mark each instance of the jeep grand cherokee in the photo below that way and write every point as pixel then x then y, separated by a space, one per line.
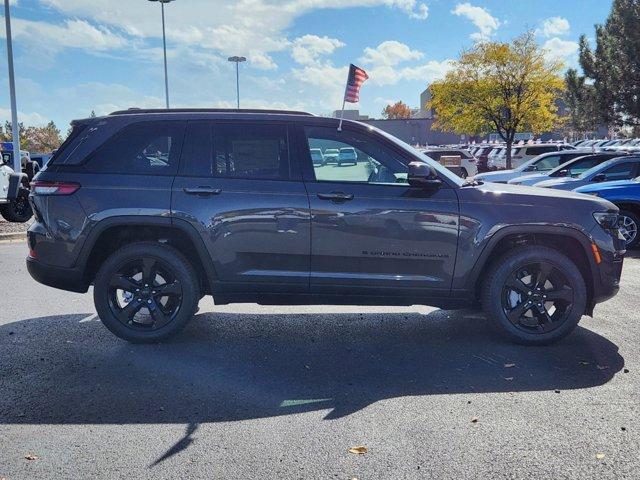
pixel 157 208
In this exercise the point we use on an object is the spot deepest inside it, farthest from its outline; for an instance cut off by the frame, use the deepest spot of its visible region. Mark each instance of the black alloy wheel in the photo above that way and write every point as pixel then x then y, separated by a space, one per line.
pixel 144 294
pixel 537 297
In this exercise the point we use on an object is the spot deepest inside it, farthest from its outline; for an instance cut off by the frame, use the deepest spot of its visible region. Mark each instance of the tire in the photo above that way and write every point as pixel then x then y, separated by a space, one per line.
pixel 19 210
pixel 631 224
pixel 160 268
pixel 506 306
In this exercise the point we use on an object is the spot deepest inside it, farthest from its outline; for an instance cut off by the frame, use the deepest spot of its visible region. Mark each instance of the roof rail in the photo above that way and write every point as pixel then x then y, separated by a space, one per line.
pixel 135 111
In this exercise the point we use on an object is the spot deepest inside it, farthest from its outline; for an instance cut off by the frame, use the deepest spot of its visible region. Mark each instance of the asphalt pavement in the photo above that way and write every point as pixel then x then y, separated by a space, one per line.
pixel 283 392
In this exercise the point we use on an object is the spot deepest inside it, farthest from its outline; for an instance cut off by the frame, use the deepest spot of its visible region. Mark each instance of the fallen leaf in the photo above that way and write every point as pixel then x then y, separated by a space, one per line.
pixel 599 456
pixel 31 457
pixel 509 365
pixel 359 450
pixel 474 420
pixel 602 367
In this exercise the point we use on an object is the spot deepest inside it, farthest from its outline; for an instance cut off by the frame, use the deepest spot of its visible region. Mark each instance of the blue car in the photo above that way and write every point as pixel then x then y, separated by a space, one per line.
pixel 626 195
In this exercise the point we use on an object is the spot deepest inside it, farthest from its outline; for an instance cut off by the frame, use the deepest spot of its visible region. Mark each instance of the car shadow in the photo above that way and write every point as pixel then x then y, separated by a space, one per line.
pixel 229 367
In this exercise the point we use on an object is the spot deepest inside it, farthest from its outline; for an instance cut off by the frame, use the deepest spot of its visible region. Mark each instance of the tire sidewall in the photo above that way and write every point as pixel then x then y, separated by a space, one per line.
pixel 492 298
pixel 169 258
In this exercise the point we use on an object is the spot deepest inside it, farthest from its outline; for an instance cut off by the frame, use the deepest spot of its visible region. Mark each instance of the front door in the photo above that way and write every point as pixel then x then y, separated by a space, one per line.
pixel 239 188
pixel 371 233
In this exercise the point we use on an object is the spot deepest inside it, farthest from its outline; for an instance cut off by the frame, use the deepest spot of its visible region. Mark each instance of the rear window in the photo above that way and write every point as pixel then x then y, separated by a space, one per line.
pixel 65 148
pixel 148 148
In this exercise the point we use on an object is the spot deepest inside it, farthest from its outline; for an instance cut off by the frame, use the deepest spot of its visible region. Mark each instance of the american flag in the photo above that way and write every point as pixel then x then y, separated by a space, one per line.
pixel 357 76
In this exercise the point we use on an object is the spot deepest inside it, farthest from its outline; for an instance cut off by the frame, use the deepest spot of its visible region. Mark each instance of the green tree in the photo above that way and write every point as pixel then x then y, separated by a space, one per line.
pixel 502 87
pixel 614 65
pixel 580 99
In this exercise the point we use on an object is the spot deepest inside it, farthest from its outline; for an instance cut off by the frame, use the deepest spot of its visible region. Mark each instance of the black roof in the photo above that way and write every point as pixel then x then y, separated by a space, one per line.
pixel 136 111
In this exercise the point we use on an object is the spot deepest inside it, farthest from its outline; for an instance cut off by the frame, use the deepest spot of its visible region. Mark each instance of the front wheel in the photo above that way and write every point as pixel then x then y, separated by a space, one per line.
pixel 146 292
pixel 629 224
pixel 534 295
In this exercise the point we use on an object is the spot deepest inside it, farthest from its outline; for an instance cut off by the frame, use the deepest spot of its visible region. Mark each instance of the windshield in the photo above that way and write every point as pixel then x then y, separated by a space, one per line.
pixel 422 156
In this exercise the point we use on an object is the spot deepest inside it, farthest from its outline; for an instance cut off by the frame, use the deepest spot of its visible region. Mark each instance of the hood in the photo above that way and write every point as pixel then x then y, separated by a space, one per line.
pixel 496 174
pixel 556 181
pixel 503 193
pixel 532 178
pixel 598 187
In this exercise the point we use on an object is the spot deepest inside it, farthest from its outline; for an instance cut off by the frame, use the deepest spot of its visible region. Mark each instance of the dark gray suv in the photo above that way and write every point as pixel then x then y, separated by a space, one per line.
pixel 157 208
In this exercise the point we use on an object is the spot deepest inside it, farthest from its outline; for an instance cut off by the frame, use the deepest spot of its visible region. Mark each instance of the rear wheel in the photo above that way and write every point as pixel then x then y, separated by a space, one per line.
pixel 534 295
pixel 629 224
pixel 146 292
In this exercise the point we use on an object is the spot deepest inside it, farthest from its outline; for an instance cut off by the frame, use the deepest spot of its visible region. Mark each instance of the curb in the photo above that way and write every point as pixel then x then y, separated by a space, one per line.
pixel 13 236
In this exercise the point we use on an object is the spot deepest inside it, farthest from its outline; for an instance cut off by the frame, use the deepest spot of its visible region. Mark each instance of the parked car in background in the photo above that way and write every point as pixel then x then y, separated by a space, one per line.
pixel 158 208
pixel 468 166
pixel 316 156
pixel 625 194
pixel 41 158
pixel 521 154
pixel 482 156
pixel 538 165
pixel 347 155
pixel 571 168
pixel 623 168
pixel 14 186
pixel 331 155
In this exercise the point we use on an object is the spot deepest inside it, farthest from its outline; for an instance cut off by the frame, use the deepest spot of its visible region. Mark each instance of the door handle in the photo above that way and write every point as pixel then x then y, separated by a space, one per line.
pixel 202 190
pixel 336 196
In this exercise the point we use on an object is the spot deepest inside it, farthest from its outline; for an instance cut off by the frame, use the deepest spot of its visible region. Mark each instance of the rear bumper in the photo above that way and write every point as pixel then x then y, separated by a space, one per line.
pixel 63 278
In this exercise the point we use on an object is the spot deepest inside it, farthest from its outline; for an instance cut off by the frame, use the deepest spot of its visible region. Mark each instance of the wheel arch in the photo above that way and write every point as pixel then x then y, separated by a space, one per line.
pixel 111 233
pixel 568 241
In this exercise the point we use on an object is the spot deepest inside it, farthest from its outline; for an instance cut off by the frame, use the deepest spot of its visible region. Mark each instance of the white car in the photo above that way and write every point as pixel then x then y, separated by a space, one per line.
pixel 316 156
pixel 537 165
pixel 331 155
pixel 520 154
pixel 468 163
pixel 347 155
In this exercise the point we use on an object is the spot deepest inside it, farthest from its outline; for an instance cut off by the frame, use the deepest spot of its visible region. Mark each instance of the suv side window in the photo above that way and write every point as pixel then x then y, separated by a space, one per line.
pixel 251 151
pixel 146 148
pixel 622 171
pixel 376 164
pixel 549 163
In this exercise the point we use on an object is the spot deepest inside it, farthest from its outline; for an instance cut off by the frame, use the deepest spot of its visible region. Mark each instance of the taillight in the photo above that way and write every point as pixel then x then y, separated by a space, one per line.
pixel 54 188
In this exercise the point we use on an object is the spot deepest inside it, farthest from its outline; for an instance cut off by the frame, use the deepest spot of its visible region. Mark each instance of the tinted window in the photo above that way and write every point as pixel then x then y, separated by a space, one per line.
pixel 550 162
pixel 582 166
pixel 251 151
pixel 541 150
pixel 622 171
pixel 375 163
pixel 151 148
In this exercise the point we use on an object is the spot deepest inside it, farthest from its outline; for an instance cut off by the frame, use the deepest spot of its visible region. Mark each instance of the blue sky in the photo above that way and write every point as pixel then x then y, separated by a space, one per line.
pixel 74 56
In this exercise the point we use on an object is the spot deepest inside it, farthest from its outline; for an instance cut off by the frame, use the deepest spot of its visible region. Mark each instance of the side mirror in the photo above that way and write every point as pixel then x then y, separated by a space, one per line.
pixel 423 175
pixel 531 168
pixel 601 177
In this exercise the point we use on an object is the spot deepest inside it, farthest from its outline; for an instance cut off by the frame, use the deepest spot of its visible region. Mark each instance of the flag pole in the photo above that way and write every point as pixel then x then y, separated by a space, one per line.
pixel 344 101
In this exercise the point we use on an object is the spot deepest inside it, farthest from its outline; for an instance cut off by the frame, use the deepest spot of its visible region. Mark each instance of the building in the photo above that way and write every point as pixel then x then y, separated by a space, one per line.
pixel 415 131
pixel 350 115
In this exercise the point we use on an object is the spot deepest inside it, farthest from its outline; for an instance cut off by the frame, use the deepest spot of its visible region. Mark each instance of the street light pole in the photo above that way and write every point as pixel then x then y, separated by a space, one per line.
pixel 15 128
pixel 164 47
pixel 238 61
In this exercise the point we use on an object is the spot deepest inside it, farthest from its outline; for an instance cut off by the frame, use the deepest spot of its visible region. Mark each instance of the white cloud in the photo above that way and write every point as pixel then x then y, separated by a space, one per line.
pixel 480 17
pixel 32 119
pixel 559 49
pixel 414 9
pixel 389 53
pixel 554 26
pixel 307 49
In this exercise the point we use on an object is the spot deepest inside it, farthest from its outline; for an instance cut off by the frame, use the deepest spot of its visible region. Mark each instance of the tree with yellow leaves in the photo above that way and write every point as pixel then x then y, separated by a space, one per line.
pixel 499 87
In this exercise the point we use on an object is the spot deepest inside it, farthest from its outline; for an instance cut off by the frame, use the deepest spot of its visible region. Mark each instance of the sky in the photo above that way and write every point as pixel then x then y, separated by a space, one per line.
pixel 75 56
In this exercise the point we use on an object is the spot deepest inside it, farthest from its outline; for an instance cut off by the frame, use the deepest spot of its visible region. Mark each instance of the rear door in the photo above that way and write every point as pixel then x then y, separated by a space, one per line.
pixel 371 232
pixel 240 188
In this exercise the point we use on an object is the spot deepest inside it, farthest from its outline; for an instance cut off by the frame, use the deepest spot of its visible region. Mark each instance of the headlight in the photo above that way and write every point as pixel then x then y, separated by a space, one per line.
pixel 608 221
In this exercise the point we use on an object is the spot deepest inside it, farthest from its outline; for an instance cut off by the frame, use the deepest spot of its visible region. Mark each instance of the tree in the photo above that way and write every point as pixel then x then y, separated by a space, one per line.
pixel 35 139
pixel 397 110
pixel 614 65
pixel 501 87
pixel 580 99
